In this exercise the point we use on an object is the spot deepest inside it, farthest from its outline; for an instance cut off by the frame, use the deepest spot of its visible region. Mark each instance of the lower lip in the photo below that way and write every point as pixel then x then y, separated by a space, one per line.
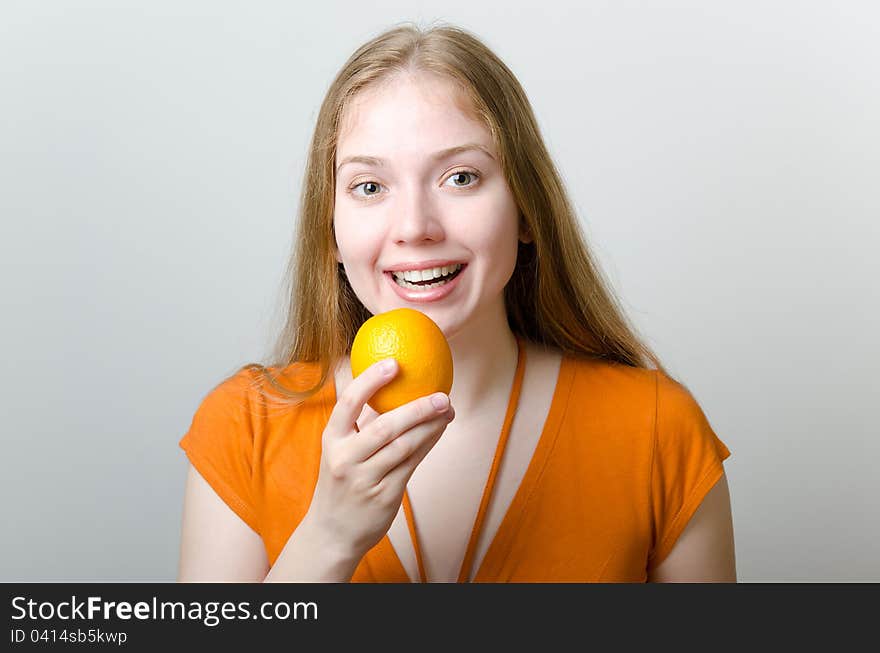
pixel 430 295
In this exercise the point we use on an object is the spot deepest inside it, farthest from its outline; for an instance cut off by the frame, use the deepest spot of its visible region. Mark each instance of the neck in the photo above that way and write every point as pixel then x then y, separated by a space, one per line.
pixel 484 357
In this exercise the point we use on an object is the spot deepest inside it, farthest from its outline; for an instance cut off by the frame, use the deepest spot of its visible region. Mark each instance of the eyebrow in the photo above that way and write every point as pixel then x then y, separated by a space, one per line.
pixel 437 156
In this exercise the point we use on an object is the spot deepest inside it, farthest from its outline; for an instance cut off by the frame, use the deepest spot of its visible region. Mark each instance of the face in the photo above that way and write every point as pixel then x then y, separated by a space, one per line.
pixel 399 202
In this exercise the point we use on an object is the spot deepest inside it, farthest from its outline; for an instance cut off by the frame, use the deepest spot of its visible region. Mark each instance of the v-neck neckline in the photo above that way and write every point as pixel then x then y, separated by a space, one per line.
pixel 495 556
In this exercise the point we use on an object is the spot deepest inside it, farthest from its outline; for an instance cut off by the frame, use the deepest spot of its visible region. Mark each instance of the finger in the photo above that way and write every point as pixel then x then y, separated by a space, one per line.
pixel 350 403
pixel 388 426
pixel 399 476
pixel 368 415
pixel 416 441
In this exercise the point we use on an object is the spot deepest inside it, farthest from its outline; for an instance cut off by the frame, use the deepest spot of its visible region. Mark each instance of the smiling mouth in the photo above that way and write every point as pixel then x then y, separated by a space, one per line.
pixel 430 283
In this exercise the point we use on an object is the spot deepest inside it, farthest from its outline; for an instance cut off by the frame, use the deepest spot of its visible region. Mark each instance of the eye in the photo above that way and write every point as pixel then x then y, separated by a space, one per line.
pixel 456 178
pixel 371 188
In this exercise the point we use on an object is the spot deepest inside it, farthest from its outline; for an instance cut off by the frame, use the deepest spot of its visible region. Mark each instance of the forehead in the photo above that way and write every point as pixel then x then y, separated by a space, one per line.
pixel 411 111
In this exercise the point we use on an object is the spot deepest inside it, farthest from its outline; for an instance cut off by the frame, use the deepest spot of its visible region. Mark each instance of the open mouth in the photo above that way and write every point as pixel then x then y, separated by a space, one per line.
pixel 428 283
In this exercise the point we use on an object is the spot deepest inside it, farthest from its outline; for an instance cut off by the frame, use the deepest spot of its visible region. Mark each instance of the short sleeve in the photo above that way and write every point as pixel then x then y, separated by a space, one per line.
pixel 220 444
pixel 686 463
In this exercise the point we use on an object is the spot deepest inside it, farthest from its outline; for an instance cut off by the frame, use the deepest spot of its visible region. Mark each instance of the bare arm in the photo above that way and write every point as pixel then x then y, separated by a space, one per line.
pixel 704 552
pixel 217 546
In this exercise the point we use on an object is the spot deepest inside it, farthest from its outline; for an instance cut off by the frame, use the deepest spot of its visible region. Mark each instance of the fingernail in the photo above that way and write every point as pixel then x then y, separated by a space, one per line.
pixel 388 365
pixel 440 402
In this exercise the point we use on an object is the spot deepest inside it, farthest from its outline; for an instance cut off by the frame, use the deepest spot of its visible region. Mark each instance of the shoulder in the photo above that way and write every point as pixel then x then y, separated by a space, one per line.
pixel 614 382
pixel 678 411
pixel 231 395
pixel 682 432
pixel 245 415
pixel 638 400
pixel 624 383
pixel 255 388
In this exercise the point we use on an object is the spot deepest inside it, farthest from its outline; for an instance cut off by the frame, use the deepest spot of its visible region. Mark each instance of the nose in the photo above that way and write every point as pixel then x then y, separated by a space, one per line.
pixel 416 218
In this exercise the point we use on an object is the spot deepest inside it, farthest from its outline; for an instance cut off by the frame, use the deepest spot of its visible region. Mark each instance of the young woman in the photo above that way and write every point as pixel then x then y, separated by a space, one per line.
pixel 560 454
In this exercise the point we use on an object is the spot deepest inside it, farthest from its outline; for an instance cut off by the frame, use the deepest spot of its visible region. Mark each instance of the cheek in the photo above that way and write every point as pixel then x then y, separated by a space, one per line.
pixel 493 228
pixel 499 237
pixel 354 241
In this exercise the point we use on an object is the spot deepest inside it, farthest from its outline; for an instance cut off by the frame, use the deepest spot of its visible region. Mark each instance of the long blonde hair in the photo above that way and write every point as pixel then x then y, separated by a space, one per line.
pixel 557 295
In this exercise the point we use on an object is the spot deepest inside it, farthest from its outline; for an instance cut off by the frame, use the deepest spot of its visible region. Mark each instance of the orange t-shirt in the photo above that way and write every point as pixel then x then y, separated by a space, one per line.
pixel 624 460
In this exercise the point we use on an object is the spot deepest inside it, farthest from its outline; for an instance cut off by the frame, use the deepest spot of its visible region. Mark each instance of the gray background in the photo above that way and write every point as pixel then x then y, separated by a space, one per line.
pixel 723 158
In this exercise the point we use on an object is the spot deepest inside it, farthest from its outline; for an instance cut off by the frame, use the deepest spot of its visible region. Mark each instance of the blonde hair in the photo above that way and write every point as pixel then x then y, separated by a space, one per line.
pixel 556 296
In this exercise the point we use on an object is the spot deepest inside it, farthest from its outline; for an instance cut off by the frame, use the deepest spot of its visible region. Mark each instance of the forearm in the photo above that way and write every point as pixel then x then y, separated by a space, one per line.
pixel 308 558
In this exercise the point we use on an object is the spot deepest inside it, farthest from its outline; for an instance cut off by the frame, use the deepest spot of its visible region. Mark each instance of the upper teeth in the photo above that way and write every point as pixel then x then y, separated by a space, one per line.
pixel 426 275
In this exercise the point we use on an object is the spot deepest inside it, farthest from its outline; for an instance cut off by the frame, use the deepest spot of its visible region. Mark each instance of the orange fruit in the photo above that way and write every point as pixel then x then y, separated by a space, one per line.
pixel 424 360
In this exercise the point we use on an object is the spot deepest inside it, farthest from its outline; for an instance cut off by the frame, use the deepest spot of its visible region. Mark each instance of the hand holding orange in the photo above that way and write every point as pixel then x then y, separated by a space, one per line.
pixel 420 348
